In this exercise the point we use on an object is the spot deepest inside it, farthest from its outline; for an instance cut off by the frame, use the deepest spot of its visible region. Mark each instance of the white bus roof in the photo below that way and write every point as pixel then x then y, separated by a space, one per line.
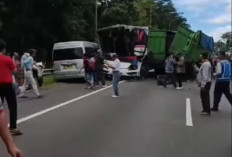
pixel 73 44
pixel 123 26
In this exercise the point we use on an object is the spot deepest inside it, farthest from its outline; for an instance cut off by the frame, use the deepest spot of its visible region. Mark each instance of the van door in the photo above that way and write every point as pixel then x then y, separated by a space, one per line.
pixel 70 59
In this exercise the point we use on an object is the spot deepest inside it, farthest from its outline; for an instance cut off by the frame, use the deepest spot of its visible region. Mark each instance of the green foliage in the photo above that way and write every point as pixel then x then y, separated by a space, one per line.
pixel 225 44
pixel 40 23
pixel 227 37
pixel 220 46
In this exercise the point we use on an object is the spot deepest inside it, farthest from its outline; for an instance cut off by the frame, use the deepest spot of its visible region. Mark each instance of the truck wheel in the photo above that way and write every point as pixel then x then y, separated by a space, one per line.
pixel 144 71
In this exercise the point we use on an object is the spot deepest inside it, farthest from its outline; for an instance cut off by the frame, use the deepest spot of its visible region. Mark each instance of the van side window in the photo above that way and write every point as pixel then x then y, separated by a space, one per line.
pixel 68 54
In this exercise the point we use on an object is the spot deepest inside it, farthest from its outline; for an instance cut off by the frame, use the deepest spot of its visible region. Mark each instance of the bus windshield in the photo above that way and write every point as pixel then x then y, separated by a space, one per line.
pixel 121 40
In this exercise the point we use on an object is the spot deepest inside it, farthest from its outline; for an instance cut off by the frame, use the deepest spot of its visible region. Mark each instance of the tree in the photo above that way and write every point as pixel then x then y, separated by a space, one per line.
pixel 116 12
pixel 41 23
pixel 146 14
pixel 227 38
pixel 220 46
pixel 158 13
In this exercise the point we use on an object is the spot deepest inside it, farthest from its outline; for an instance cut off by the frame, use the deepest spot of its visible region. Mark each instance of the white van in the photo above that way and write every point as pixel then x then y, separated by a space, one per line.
pixel 68 58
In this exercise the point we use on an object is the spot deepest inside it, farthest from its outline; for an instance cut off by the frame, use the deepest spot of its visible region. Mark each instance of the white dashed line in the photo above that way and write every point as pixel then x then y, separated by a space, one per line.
pixel 27 118
pixel 189 121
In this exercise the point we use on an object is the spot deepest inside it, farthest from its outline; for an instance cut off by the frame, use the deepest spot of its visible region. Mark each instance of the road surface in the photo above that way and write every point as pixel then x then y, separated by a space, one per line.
pixel 145 121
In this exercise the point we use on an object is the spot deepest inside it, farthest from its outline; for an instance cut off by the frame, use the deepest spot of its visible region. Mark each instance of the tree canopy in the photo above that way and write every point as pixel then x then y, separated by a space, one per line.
pixel 40 23
pixel 225 44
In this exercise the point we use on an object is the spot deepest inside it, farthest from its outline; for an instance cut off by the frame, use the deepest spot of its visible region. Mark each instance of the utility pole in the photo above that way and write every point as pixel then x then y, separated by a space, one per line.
pixel 96 20
pixel 151 15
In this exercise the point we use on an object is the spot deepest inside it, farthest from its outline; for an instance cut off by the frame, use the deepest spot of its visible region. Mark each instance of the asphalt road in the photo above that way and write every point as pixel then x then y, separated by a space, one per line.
pixel 145 121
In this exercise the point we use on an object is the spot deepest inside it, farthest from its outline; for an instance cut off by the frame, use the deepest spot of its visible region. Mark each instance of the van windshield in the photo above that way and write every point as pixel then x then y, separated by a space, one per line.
pixel 68 54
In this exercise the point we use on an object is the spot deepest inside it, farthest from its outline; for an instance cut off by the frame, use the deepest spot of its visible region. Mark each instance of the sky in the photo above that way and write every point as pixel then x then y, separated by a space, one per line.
pixel 213 17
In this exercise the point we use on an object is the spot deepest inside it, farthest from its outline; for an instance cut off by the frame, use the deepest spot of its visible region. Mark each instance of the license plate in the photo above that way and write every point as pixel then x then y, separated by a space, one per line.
pixel 68 67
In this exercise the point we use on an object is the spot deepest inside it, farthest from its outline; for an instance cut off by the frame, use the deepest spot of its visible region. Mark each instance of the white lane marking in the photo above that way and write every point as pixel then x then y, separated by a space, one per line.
pixel 189 121
pixel 61 105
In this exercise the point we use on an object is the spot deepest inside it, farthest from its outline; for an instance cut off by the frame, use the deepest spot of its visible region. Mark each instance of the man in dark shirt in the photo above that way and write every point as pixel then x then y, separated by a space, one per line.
pixel 99 66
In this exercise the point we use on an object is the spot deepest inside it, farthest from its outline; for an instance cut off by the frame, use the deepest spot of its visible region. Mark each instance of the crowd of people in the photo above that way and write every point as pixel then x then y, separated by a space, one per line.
pixel 175 70
pixel 10 80
pixel 13 84
pixel 222 72
pixel 94 73
pixel 218 66
pixel 94 65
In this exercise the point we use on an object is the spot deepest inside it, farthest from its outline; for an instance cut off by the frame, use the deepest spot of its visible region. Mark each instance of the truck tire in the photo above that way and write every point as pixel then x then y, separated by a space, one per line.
pixel 159 68
pixel 144 71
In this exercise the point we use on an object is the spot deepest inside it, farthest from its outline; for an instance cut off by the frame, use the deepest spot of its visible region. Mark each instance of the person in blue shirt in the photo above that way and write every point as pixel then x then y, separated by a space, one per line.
pixel 222 86
pixel 27 62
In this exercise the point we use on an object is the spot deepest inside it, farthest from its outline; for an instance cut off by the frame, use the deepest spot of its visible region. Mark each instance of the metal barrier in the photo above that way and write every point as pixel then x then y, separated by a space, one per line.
pixel 48 72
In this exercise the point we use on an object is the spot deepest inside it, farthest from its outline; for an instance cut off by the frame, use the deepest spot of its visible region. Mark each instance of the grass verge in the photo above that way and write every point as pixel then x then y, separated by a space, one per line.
pixel 49 80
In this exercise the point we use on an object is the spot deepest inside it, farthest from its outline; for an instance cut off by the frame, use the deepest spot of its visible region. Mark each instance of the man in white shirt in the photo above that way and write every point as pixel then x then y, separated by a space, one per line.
pixel 204 79
pixel 116 74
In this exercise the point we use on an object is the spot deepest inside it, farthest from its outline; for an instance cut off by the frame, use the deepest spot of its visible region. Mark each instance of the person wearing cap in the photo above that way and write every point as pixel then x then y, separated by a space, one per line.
pixel 204 79
pixel 27 63
pixel 222 85
pixel 7 67
pixel 116 74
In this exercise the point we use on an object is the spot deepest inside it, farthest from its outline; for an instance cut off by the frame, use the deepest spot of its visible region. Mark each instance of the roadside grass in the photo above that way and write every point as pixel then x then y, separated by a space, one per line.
pixel 49 80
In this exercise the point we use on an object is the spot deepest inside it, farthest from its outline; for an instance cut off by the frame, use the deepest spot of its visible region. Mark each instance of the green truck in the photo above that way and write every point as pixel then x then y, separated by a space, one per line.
pixel 185 41
pixel 148 48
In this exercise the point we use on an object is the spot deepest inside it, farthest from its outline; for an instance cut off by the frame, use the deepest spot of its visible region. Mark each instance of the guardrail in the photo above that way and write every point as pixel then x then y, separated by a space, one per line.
pixel 48 72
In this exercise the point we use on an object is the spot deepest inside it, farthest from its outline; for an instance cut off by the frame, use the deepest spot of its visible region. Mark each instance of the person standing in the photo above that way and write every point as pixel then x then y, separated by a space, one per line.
pixel 5 134
pixel 180 70
pixel 116 74
pixel 99 65
pixel 170 70
pixel 15 77
pixel 222 85
pixel 204 79
pixel 7 67
pixel 27 64
pixel 86 68
pixel 92 71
